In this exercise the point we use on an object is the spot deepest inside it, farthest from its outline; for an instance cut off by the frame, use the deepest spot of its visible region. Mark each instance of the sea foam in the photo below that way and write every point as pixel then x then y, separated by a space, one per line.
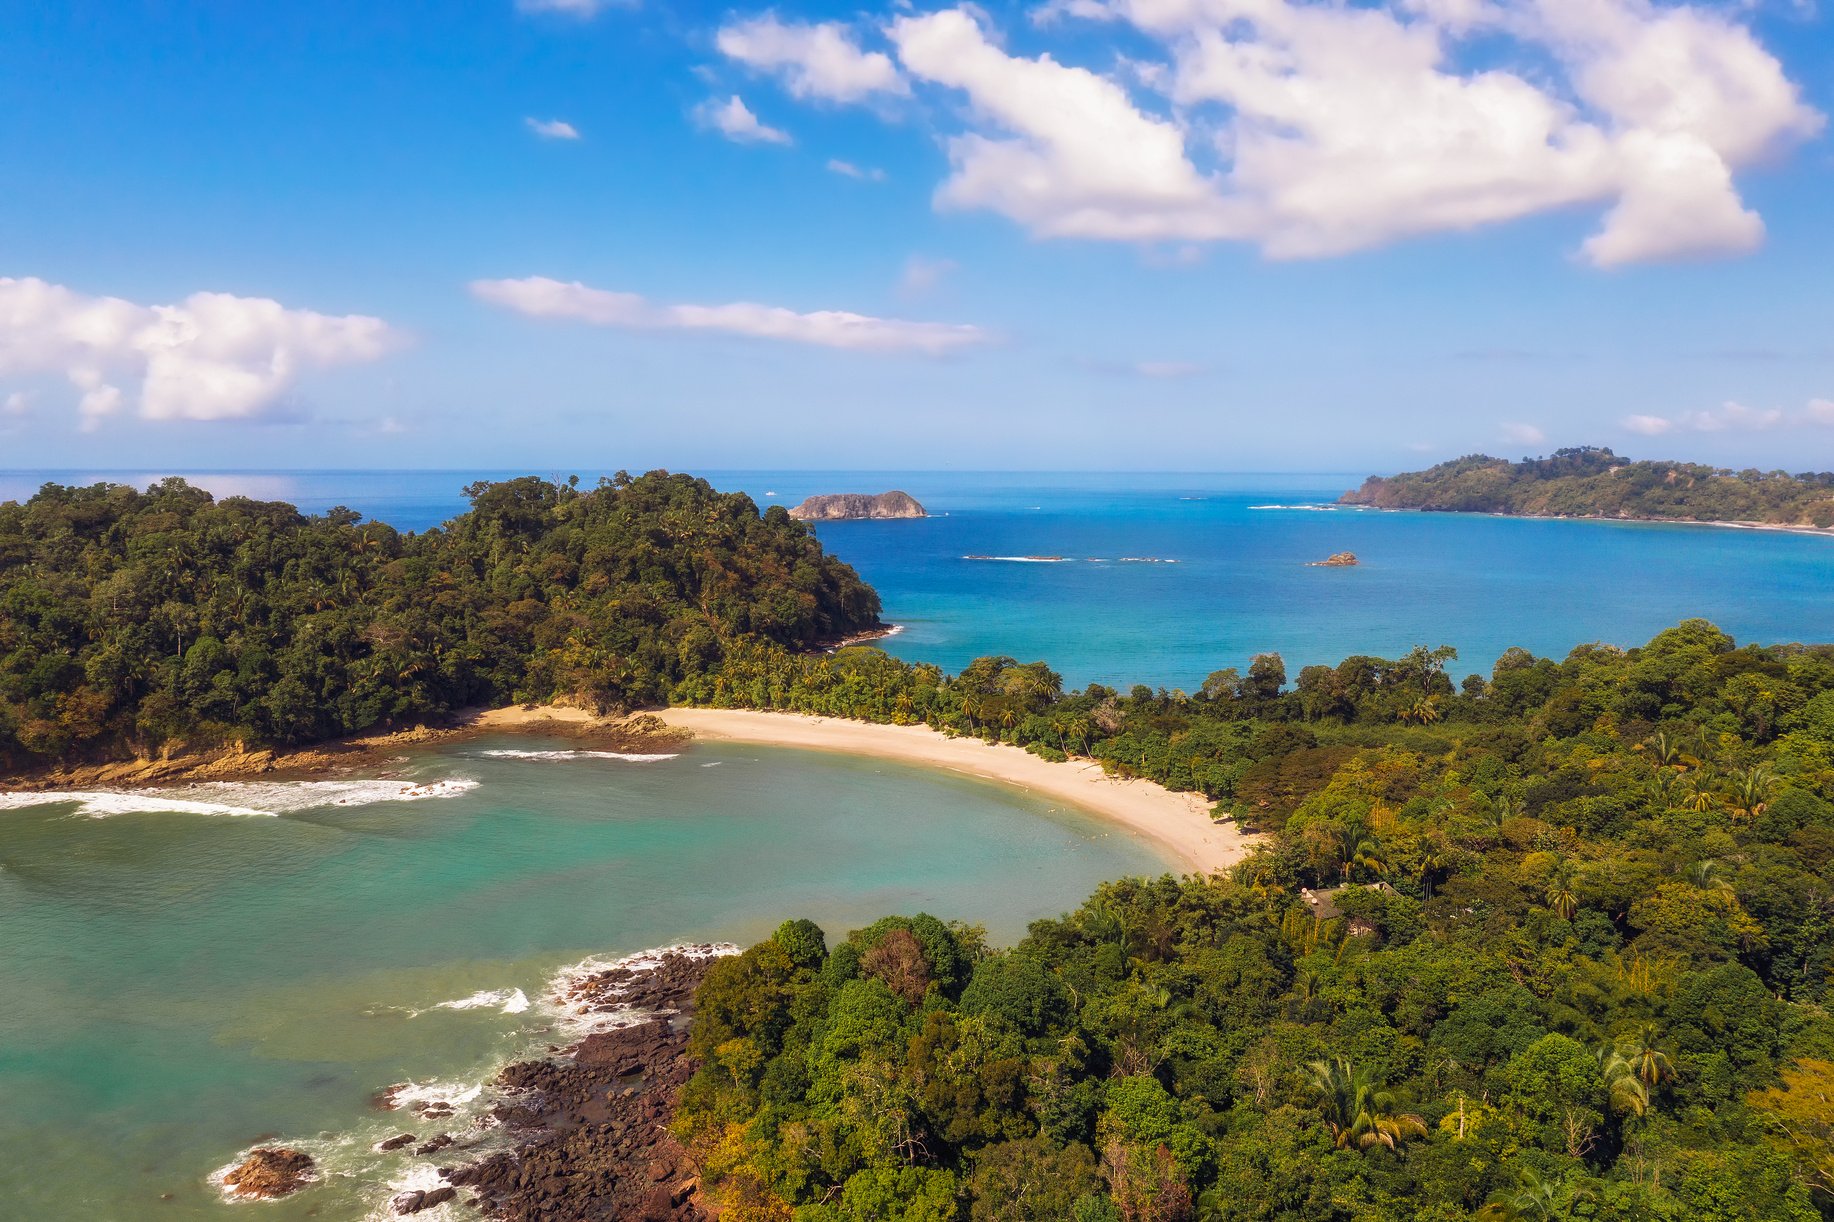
pixel 509 1001
pixel 238 798
pixel 629 757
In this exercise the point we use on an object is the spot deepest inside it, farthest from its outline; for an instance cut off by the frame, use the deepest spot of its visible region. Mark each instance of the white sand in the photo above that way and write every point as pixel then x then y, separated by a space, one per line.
pixel 1177 822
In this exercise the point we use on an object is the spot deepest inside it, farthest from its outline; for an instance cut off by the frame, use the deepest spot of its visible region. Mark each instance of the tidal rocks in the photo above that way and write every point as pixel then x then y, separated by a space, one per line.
pixel 269 1173
pixel 395 1143
pixel 1337 560
pixel 414 1202
pixel 858 506
pixel 593 1123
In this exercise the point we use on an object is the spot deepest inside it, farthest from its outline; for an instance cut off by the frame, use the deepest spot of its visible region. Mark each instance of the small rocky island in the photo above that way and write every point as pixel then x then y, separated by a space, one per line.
pixel 1336 560
pixel 858 506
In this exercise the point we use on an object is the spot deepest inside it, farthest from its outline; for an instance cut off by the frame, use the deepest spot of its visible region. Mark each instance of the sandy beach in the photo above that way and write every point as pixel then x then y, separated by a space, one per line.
pixel 1178 822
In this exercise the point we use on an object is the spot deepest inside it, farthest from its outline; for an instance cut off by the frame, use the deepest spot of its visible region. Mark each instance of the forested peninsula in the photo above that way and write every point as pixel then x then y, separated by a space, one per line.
pixel 1551 942
pixel 1593 482
pixel 135 622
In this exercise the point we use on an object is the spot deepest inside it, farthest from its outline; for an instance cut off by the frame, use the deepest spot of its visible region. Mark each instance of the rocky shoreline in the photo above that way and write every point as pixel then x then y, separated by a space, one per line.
pixel 367 753
pixel 590 1124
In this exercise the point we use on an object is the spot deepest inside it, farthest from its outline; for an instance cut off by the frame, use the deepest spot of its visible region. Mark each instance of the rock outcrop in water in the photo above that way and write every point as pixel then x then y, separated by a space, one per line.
pixel 593 1123
pixel 858 506
pixel 270 1173
pixel 1336 560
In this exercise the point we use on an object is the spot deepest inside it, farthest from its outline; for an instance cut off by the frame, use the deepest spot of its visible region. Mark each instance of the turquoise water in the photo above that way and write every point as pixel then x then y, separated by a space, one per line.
pixel 175 987
pixel 1240 584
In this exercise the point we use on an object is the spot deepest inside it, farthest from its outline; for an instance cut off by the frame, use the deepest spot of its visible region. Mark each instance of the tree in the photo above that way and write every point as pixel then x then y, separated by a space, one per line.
pixel 1357 1110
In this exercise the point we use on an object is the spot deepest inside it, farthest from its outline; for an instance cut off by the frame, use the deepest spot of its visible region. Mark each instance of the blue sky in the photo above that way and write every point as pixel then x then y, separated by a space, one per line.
pixel 1085 234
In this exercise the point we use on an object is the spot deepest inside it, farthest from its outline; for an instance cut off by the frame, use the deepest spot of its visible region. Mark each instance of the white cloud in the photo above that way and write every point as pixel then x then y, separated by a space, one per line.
pixel 848 170
pixel 1313 129
pixel 540 297
pixel 1649 426
pixel 552 129
pixel 212 356
pixel 582 9
pixel 16 404
pixel 1523 434
pixel 1732 417
pixel 734 120
pixel 814 61
pixel 923 275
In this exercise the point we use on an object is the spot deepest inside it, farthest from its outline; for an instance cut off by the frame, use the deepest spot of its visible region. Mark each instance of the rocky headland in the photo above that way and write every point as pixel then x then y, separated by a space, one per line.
pixel 591 1123
pixel 858 506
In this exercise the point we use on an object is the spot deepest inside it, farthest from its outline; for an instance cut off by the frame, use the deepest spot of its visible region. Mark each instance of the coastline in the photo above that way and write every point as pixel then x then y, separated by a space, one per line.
pixel 1177 822
pixel 340 756
pixel 1770 527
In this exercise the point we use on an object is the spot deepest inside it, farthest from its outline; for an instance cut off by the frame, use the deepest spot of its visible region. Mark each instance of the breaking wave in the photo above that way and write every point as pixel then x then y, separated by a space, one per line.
pixel 629 757
pixel 509 1001
pixel 238 798
pixel 581 1010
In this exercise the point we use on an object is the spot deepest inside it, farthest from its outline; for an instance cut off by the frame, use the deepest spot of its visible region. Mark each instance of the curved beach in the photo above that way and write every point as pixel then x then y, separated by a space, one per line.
pixel 1179 822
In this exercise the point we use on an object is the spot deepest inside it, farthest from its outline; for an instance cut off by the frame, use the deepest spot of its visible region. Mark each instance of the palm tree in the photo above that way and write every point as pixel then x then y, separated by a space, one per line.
pixel 1561 896
pixel 1358 1112
pixel 1537 1200
pixel 1649 1063
pixel 1700 795
pixel 1626 1092
pixel 1709 875
pixel 1750 792
pixel 1367 855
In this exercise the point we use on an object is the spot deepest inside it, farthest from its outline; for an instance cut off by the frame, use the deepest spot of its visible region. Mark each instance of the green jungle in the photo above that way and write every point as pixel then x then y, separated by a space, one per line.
pixel 1551 943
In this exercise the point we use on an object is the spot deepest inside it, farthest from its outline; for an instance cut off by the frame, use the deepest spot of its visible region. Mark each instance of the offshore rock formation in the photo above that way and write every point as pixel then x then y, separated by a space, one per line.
pixel 858 506
pixel 1336 560
pixel 269 1173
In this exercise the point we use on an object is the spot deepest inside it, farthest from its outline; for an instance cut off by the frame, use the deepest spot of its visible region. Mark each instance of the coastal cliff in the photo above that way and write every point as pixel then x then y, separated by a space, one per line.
pixel 1594 482
pixel 858 506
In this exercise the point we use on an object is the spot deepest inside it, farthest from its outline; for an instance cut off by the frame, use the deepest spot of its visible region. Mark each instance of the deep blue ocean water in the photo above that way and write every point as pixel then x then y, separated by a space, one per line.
pixel 1234 578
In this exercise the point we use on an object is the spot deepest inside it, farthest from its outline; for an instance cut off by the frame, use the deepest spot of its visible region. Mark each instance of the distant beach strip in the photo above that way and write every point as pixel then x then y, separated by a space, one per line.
pixel 1179 823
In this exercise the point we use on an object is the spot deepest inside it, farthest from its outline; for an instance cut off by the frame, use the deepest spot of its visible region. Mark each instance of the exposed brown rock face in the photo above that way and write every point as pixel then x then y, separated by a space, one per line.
pixel 270 1172
pixel 595 1119
pixel 1337 560
pixel 853 506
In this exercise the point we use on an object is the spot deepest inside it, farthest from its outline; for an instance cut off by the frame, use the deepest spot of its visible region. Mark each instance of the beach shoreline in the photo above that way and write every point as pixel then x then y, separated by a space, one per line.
pixel 1177 822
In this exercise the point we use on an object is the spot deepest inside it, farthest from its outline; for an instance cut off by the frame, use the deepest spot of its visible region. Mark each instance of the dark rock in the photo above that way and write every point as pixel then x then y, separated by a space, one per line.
pixel 269 1173
pixel 409 1202
pixel 439 1196
pixel 591 1125
pixel 435 1145
pixel 395 1143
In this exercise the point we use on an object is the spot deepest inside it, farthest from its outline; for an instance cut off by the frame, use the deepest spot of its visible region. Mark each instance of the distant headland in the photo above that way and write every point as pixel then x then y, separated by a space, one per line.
pixel 858 506
pixel 1593 482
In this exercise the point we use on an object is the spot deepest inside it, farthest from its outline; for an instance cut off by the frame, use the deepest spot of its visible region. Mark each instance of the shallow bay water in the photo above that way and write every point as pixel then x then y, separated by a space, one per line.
pixel 177 986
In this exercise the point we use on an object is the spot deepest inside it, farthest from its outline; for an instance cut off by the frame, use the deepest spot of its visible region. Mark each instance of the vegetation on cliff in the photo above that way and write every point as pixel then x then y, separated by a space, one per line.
pixel 854 506
pixel 1593 482
pixel 1573 962
pixel 134 621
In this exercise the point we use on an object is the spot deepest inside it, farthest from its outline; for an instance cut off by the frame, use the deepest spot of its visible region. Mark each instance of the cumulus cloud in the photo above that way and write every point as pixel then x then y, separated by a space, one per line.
pixel 552 129
pixel 212 356
pixel 847 169
pixel 735 120
pixel 540 297
pixel 1312 129
pixel 1523 434
pixel 813 60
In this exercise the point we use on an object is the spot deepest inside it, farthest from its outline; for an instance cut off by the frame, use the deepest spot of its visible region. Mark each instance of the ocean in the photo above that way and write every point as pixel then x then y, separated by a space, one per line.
pixel 1165 578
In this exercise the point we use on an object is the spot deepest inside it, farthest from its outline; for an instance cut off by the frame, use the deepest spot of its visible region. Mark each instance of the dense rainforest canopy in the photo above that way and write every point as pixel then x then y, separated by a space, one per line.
pixel 1593 482
pixel 1553 943
pixel 135 621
